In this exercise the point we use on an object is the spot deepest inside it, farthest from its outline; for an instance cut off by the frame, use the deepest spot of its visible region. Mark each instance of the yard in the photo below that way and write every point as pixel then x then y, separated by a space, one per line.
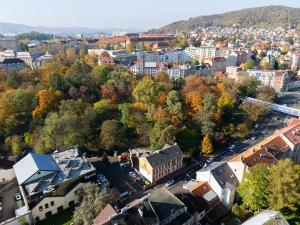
pixel 62 218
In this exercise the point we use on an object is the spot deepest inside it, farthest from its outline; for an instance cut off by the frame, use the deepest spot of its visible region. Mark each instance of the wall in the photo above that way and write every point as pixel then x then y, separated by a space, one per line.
pixel 58 201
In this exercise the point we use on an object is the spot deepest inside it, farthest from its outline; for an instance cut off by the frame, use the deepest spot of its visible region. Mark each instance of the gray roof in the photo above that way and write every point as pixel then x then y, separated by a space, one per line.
pixel 33 163
pixel 164 203
pixel 223 174
pixel 164 156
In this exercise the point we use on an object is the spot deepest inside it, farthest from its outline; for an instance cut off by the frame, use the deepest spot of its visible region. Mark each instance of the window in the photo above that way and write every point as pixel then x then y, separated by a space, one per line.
pixel 41 208
pixel 46 206
pixel 52 203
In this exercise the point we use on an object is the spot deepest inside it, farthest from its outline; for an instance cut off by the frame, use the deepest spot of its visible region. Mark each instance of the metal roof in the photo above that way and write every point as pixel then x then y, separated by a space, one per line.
pixel 33 163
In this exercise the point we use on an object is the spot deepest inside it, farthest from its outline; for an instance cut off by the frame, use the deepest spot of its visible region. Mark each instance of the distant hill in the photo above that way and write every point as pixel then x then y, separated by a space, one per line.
pixel 264 17
pixel 13 28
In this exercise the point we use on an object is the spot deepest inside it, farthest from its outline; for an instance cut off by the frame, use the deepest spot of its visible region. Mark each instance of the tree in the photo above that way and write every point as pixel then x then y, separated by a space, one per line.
pixel 284 188
pixel 265 64
pixel 254 187
pixel 187 139
pixel 242 130
pixel 266 93
pixel 110 135
pixel 146 92
pixel 253 112
pixel 93 201
pixel 249 64
pixel 283 66
pixel 49 100
pixel 207 146
pixel 73 125
pixel 174 105
pixel 70 55
pixel 162 76
pixel 14 144
pixel 162 132
pixel 247 88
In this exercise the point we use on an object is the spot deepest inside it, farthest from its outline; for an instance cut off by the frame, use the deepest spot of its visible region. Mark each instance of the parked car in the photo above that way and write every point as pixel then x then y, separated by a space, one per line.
pixel 210 160
pixel 124 164
pixel 232 146
pixel 256 126
pixel 133 175
pixel 116 153
pixel 18 196
pixel 187 177
pixel 101 180
pixel 253 138
pixel 170 183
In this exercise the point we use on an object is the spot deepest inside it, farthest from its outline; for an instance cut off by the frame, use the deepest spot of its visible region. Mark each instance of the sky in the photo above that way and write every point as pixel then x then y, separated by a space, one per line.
pixel 122 14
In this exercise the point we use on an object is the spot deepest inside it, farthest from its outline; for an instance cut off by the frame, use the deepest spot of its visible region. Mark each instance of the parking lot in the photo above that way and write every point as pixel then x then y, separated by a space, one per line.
pixel 7 198
pixel 119 177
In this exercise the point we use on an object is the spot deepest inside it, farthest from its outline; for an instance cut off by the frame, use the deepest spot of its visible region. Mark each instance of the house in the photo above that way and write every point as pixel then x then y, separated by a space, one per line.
pixel 7 172
pixel 217 64
pixel 12 64
pixel 160 207
pixel 222 181
pixel 277 79
pixel 267 217
pixel 30 58
pixel 284 143
pixel 52 182
pixel 105 60
pixel 161 163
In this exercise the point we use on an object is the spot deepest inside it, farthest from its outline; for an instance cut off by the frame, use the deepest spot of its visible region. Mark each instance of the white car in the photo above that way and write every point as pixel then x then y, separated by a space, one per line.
pixel 231 146
pixel 170 183
pixel 253 138
pixel 256 126
pixel 18 196
pixel 210 160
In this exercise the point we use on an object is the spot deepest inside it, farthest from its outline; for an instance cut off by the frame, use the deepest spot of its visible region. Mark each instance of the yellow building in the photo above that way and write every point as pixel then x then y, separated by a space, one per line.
pixel 161 163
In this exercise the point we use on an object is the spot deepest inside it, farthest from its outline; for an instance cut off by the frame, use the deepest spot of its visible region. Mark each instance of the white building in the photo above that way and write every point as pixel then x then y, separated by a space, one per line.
pixel 51 183
pixel 221 179
pixel 266 217
pixel 202 52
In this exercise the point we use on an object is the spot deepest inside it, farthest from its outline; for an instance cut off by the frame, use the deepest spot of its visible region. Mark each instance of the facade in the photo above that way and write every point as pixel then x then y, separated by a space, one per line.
pixel 53 182
pixel 217 64
pixel 201 53
pixel 160 207
pixel 30 57
pixel 105 60
pixel 12 64
pixel 276 79
pixel 221 179
pixel 161 163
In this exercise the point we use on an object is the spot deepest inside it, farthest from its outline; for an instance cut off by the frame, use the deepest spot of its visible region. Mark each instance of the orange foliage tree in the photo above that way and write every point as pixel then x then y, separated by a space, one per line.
pixel 49 100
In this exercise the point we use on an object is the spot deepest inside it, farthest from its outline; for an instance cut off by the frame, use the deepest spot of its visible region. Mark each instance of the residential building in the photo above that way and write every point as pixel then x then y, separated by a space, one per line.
pixel 201 53
pixel 277 79
pixel 217 64
pixel 106 60
pixel 181 71
pixel 284 143
pixel 12 64
pixel 267 217
pixel 53 182
pixel 221 179
pixel 30 57
pixel 161 163
pixel 160 207
pixel 295 61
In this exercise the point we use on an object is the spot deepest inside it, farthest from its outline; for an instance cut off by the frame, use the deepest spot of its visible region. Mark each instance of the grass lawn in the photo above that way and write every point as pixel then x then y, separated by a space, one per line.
pixel 62 218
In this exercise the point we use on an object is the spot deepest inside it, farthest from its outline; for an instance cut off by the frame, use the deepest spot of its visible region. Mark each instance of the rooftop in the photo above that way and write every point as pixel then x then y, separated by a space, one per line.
pixel 163 156
pixel 44 172
pixel 164 203
pixel 267 217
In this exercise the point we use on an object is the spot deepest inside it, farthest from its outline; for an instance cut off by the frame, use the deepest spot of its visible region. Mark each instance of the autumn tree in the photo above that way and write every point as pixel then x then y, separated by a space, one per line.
pixel 49 100
pixel 266 94
pixel 93 201
pixel 249 64
pixel 162 76
pixel 110 135
pixel 254 187
pixel 162 133
pixel 146 92
pixel 174 105
pixel 207 146
pixel 284 188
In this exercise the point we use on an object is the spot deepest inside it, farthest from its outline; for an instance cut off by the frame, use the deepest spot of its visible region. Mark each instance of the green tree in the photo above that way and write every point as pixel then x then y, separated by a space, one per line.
pixel 207 146
pixel 174 104
pixel 254 187
pixel 249 64
pixel 163 132
pixel 266 94
pixel 93 201
pixel 284 188
pixel 187 139
pixel 110 135
pixel 147 92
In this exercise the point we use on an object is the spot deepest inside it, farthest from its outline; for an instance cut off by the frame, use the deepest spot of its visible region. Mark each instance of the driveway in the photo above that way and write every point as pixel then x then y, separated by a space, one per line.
pixel 7 196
